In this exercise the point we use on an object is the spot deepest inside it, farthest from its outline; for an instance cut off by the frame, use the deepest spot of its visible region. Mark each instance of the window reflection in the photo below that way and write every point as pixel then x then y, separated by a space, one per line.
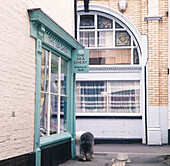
pixel 53 113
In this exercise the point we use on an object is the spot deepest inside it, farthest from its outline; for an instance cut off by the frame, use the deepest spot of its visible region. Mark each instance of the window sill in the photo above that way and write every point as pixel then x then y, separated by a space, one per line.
pixel 53 139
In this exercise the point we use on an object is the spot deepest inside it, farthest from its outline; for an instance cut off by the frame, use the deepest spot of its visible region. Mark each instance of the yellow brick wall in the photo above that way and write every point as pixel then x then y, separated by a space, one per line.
pixel 157 32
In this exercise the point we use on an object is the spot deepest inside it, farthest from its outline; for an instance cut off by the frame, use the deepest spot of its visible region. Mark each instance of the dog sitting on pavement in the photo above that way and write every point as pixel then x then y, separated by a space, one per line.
pixel 86 147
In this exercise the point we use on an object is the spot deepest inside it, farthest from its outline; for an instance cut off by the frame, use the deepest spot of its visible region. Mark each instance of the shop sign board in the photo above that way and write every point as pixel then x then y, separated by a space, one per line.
pixel 80 61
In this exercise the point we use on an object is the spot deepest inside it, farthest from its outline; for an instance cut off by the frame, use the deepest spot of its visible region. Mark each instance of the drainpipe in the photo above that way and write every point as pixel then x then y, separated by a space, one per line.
pixel 75 18
pixel 168 72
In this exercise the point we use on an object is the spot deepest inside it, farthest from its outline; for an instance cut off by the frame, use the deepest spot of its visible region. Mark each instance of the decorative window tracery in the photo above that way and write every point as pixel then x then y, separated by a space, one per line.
pixel 97 31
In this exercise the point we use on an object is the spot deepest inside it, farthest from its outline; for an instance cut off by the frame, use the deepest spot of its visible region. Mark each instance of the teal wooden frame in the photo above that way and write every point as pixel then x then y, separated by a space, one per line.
pixel 51 36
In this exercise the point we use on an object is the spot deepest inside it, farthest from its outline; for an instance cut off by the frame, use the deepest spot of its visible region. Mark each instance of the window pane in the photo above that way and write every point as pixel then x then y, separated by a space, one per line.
pixel 53 114
pixel 87 20
pixel 90 97
pixel 44 70
pixel 105 39
pixel 104 23
pixel 117 26
pixel 124 96
pixel 43 114
pixel 122 38
pixel 63 114
pixel 135 57
pixel 87 39
pixel 54 73
pixel 63 76
pixel 110 56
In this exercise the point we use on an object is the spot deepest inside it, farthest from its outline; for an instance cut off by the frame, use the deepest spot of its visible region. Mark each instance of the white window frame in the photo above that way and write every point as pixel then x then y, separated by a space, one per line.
pixel 49 93
pixel 117 77
pixel 132 47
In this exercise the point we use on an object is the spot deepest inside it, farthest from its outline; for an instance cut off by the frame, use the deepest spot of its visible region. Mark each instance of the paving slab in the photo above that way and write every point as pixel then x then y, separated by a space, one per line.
pixel 125 155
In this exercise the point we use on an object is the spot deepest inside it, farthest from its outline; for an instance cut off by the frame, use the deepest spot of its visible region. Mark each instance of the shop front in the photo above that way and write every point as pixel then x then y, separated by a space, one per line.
pixel 58 57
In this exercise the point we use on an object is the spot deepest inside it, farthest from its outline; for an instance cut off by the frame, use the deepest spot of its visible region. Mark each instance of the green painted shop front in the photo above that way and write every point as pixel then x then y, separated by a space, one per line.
pixel 55 89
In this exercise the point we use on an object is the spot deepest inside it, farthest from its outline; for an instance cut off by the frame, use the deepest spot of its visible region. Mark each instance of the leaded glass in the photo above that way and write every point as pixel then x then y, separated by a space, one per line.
pixel 87 20
pixel 135 57
pixel 104 23
pixel 122 38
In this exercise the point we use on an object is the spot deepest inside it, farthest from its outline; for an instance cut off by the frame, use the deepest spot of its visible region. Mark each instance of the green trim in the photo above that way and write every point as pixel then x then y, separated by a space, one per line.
pixel 55 138
pixel 55 51
pixel 38 17
pixel 53 38
pixel 37 104
pixel 74 118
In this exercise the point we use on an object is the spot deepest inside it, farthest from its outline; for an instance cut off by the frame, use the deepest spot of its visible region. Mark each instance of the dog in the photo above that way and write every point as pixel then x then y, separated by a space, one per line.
pixel 78 135
pixel 86 147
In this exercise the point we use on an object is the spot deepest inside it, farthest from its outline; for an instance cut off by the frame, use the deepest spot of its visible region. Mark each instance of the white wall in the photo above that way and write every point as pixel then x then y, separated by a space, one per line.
pixel 111 128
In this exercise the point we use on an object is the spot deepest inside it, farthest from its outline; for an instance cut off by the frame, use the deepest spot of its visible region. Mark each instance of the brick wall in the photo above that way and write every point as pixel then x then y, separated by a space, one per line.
pixel 157 32
pixel 17 73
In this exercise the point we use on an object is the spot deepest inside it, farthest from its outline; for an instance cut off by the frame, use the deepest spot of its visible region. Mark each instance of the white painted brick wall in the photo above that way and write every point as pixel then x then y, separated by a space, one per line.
pixel 111 128
pixel 17 71
pixel 157 125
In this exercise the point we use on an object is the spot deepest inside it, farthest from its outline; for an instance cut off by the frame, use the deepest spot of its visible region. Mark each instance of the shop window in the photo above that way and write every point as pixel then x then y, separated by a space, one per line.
pixel 53 94
pixel 108 97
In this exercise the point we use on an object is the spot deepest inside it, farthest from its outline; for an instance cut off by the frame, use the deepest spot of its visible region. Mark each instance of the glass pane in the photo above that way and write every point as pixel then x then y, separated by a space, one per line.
pixel 63 76
pixel 43 114
pixel 87 39
pixel 87 20
pixel 104 23
pixel 110 56
pixel 54 73
pixel 124 96
pixel 122 38
pixel 91 97
pixel 117 26
pixel 105 39
pixel 44 70
pixel 63 114
pixel 53 114
pixel 135 57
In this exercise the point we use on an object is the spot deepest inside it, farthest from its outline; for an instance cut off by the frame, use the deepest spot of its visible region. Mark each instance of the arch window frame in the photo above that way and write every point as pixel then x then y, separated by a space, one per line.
pixel 134 43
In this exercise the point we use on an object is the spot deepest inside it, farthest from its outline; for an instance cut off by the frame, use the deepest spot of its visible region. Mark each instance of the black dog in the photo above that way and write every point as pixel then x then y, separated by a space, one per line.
pixel 86 146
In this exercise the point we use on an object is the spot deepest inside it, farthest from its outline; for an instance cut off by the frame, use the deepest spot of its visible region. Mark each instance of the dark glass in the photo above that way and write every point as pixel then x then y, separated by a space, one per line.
pixel 87 20
pixel 117 26
pixel 135 57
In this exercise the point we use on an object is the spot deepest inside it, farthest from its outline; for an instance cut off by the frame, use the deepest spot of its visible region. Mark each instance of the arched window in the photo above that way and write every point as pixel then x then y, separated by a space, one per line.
pixel 109 40
pixel 114 82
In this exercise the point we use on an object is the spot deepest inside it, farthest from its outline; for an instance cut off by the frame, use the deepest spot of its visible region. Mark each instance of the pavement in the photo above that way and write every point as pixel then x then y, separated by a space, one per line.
pixel 125 155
